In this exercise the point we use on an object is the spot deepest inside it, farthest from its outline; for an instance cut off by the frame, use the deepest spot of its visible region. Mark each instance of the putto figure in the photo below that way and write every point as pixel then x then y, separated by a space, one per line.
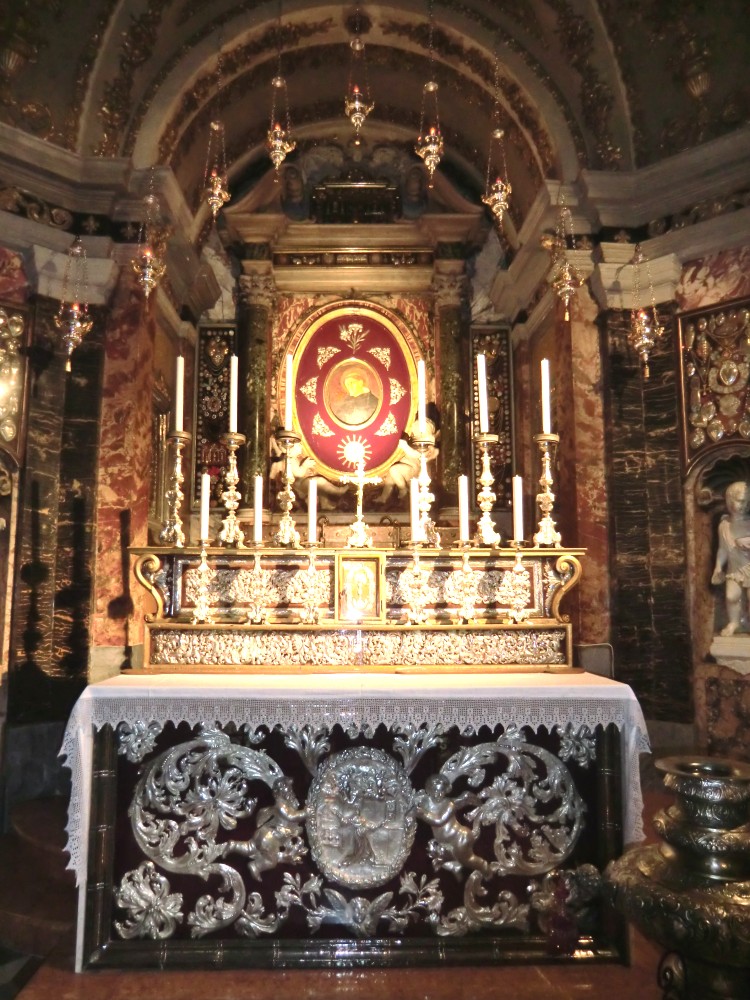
pixel 732 566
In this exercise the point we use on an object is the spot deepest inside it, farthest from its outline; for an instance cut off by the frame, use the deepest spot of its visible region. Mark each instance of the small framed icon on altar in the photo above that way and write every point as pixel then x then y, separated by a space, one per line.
pixel 360 587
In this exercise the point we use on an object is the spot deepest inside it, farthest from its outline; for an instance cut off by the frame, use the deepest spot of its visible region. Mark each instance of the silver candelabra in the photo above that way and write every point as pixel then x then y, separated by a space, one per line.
pixel 172 532
pixel 547 535
pixel 231 533
pixel 287 533
pixel 487 534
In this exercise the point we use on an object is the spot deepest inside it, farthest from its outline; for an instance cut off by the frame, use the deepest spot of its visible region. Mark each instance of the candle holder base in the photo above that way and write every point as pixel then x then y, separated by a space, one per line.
pixel 547 533
pixel 287 534
pixel 487 534
pixel 422 441
pixel 172 532
pixel 231 533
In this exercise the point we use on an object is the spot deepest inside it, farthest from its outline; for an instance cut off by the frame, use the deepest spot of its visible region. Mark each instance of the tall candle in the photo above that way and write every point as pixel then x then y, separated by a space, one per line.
pixel 416 527
pixel 233 394
pixel 421 397
pixel 258 511
pixel 312 511
pixel 517 508
pixel 463 508
pixel 205 500
pixel 179 392
pixel 288 398
pixel 546 419
pixel 484 420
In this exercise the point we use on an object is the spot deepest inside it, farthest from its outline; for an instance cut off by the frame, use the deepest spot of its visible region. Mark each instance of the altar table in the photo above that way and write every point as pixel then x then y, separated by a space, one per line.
pixel 185 752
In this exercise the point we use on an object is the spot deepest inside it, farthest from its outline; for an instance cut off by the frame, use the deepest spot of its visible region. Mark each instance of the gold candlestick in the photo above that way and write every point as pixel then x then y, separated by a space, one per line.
pixel 422 441
pixel 287 534
pixel 171 532
pixel 231 533
pixel 486 534
pixel 202 609
pixel 547 535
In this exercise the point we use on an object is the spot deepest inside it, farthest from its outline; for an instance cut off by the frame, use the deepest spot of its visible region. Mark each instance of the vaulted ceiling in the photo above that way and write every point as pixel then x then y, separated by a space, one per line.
pixel 598 84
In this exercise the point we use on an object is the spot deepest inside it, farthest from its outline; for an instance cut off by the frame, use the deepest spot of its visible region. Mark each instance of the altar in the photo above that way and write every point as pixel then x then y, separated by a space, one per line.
pixel 349 819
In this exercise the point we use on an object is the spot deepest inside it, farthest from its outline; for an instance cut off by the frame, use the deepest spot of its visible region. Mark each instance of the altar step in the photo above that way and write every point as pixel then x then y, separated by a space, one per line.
pixel 37 894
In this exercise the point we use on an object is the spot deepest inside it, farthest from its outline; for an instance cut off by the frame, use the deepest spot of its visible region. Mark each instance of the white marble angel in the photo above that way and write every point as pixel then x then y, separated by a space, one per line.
pixel 732 566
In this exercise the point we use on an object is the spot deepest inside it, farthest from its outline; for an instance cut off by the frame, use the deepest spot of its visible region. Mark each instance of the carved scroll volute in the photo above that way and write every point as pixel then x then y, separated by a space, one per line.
pixel 566 564
pixel 146 568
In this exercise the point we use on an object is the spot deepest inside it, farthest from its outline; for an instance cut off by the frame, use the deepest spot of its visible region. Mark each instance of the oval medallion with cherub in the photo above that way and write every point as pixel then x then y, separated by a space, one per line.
pixel 361 817
pixel 354 381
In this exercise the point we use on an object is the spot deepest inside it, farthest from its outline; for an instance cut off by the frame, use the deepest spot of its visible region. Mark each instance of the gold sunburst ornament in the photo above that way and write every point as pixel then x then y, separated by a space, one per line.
pixel 355 451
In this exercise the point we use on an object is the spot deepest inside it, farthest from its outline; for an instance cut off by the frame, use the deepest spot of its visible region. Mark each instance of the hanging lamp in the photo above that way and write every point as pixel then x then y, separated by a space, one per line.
pixel 279 141
pixel 149 264
pixel 72 319
pixel 357 103
pixel 497 195
pixel 645 327
pixel 430 146
pixel 215 182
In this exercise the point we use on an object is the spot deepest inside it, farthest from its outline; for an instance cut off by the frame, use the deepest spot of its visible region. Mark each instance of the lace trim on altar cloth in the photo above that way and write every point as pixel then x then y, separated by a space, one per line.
pixel 466 712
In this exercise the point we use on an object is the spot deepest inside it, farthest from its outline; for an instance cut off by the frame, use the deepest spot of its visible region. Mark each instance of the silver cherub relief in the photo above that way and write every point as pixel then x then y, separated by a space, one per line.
pixel 358 821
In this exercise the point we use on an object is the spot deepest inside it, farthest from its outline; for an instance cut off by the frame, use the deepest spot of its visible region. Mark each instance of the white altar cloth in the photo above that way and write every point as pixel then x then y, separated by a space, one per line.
pixel 326 699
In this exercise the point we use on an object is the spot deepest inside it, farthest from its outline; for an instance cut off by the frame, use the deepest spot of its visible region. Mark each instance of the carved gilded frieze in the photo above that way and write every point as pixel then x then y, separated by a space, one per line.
pixel 137 46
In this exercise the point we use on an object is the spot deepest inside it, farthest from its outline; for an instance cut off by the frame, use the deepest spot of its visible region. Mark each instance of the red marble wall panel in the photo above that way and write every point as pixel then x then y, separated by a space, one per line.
pixel 719 277
pixel 124 468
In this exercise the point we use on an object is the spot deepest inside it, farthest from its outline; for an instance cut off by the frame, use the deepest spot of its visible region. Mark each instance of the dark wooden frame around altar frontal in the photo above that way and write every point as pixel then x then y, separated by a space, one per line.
pixel 605 940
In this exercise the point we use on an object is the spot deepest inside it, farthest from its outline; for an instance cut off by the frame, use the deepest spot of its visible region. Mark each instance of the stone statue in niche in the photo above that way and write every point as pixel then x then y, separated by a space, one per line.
pixel 732 566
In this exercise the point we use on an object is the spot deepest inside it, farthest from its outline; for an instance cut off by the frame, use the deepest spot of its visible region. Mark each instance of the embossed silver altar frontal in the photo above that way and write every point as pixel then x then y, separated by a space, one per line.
pixel 497 808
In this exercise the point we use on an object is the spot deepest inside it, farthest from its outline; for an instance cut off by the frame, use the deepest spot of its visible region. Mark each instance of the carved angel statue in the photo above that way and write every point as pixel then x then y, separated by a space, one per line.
pixel 278 837
pixel 439 810
pixel 732 566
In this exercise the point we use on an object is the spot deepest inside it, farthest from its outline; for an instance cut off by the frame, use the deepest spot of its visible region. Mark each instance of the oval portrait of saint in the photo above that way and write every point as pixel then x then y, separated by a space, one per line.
pixel 353 393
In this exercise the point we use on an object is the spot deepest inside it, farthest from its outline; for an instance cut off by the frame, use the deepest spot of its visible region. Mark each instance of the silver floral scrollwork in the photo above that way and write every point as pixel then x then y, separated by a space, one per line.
pixel 577 744
pixel 533 805
pixel 153 911
pixel 186 796
pixel 138 740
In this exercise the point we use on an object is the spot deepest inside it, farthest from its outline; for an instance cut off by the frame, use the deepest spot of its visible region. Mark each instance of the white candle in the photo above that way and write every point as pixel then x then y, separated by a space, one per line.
pixel 258 511
pixel 205 500
pixel 416 527
pixel 312 511
pixel 233 394
pixel 288 399
pixel 546 419
pixel 463 508
pixel 179 392
pixel 421 397
pixel 517 508
pixel 484 420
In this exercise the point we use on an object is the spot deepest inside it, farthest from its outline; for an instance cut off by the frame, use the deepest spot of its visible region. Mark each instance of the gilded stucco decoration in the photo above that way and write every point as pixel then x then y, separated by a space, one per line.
pixel 716 373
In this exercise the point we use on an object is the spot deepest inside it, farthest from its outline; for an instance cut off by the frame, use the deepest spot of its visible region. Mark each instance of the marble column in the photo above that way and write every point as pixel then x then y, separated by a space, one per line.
pixel 451 290
pixel 650 626
pixel 257 293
